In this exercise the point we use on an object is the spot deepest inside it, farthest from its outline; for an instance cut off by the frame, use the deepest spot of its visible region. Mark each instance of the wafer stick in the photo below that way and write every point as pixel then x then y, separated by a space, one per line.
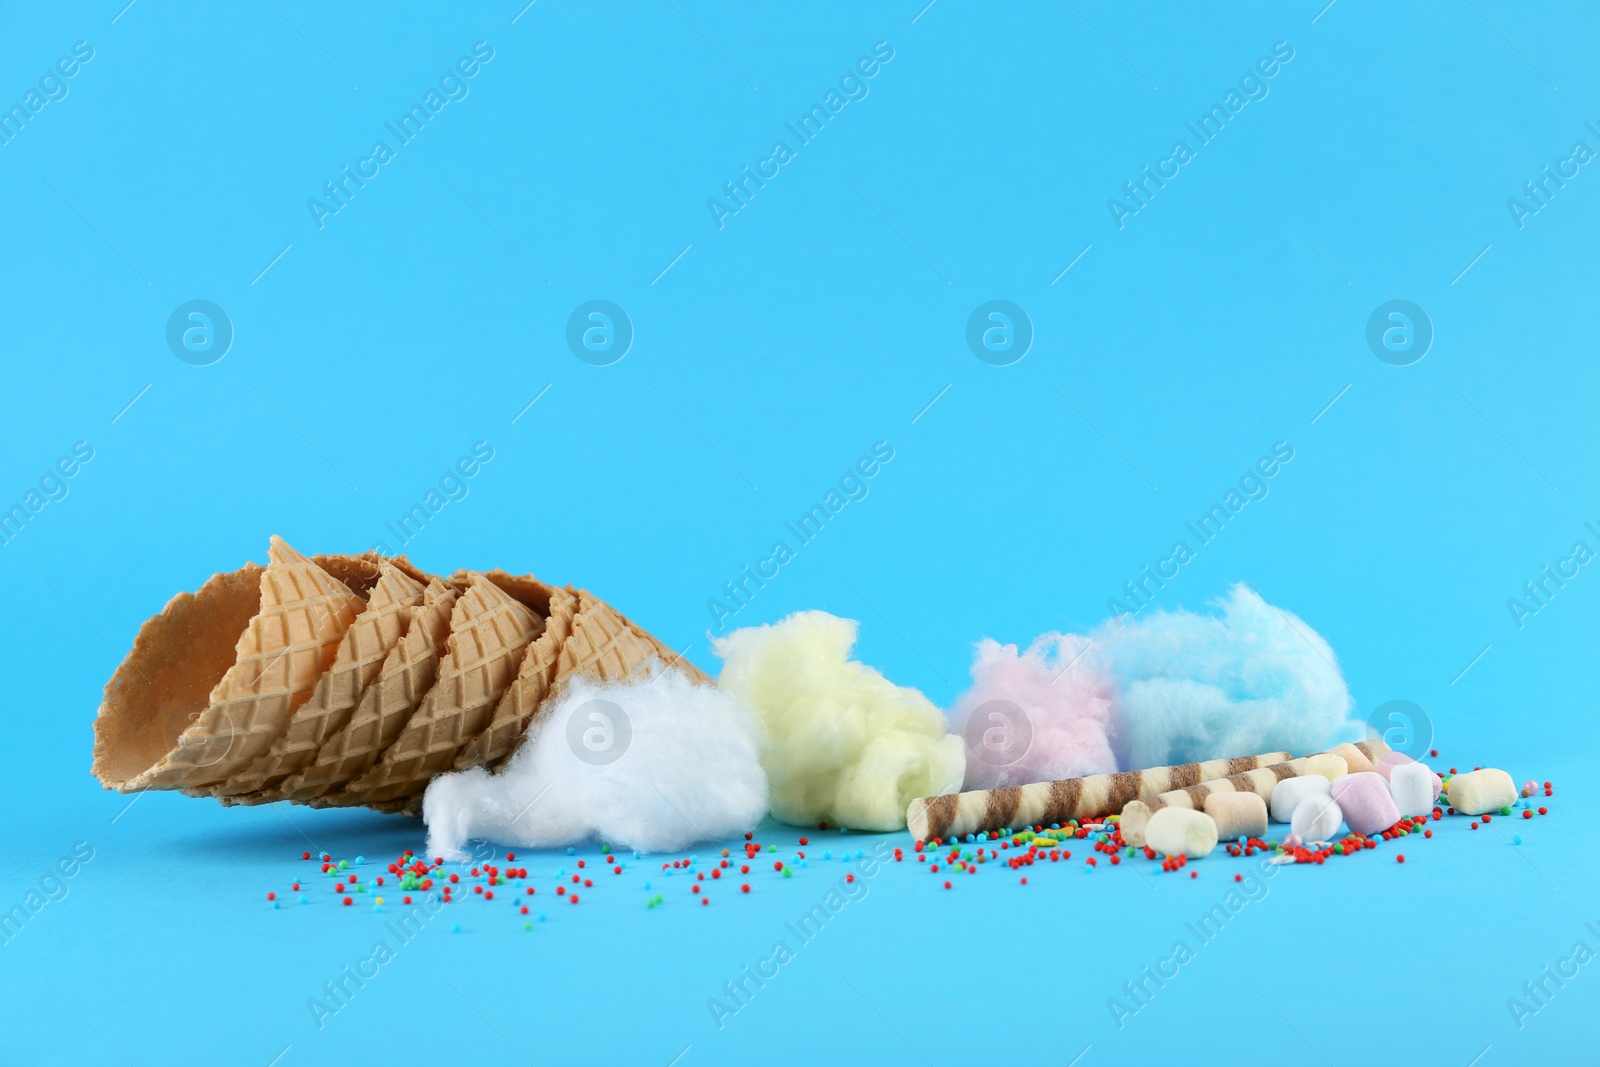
pixel 1043 803
pixel 1136 813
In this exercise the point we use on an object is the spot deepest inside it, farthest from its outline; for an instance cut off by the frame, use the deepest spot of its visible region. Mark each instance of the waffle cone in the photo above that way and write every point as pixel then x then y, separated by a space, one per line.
pixel 362 573
pixel 584 637
pixel 165 682
pixel 341 681
pixel 606 647
pixel 408 673
pixel 361 656
pixel 533 683
pixel 303 613
pixel 489 632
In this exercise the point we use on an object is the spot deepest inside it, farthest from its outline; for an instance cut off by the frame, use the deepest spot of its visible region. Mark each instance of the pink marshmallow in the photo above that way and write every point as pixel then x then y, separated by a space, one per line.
pixel 1389 761
pixel 1364 798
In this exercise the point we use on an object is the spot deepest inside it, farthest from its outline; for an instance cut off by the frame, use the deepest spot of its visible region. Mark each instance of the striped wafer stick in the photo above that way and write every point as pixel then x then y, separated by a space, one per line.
pixel 1136 814
pixel 1043 803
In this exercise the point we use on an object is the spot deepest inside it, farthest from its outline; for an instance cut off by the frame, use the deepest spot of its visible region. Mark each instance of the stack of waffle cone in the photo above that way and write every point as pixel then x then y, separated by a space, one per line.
pixel 342 681
pixel 375 632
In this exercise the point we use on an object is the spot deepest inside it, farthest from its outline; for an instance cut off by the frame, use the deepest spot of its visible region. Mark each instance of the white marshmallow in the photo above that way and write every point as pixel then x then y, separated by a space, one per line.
pixel 1413 788
pixel 1287 794
pixel 1316 818
pixel 1181 830
pixel 1392 760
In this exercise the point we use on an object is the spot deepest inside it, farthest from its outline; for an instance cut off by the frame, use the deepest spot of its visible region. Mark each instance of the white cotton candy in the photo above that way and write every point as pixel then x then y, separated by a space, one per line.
pixel 654 765
pixel 1253 678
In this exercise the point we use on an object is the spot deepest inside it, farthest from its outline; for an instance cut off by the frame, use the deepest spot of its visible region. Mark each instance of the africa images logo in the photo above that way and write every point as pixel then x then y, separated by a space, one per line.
pixel 851 87
pixel 1252 87
pixel 51 88
pixel 452 87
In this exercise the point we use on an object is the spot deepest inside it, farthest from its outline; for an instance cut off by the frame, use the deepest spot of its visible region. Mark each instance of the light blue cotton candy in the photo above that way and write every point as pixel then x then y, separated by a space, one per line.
pixel 1249 679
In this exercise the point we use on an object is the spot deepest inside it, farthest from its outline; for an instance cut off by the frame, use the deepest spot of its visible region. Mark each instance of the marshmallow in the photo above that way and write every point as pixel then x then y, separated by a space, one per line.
pixel 1316 818
pixel 976 810
pixel 1261 781
pixel 1330 765
pixel 1390 760
pixel 1353 756
pixel 1478 792
pixel 1174 831
pixel 1287 794
pixel 1413 787
pixel 1364 798
pixel 1238 814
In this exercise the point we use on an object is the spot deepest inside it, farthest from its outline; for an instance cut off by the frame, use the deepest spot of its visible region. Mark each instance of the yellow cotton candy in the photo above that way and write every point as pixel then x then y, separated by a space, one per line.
pixel 843 744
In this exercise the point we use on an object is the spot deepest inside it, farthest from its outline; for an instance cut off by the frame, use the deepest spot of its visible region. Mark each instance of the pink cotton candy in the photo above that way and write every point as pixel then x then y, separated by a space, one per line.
pixel 1038 715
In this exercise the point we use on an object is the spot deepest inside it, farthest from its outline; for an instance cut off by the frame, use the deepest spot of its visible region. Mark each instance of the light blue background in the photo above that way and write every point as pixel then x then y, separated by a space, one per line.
pixel 1227 315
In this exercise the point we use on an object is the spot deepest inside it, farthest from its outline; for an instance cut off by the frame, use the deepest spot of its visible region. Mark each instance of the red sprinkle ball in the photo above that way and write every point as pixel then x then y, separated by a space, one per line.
pixel 1015 849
